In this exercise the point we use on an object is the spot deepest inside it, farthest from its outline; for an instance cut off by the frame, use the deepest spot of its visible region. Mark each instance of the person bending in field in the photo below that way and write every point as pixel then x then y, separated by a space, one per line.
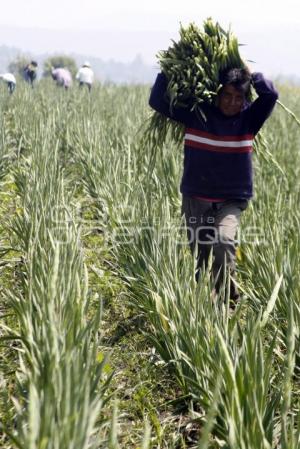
pixel 62 77
pixel 10 80
pixel 85 76
pixel 30 72
pixel 217 175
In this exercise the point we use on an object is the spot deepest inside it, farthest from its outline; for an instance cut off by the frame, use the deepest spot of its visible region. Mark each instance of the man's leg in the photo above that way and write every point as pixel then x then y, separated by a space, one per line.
pixel 200 229
pixel 227 219
pixel 11 87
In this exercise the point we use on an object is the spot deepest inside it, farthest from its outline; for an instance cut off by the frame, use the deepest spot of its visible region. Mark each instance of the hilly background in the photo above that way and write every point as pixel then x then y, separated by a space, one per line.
pixel 132 72
pixel 129 56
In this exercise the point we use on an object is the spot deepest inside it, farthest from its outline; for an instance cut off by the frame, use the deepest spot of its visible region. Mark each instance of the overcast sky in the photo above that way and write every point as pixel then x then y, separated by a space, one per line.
pixel 132 14
pixel 121 29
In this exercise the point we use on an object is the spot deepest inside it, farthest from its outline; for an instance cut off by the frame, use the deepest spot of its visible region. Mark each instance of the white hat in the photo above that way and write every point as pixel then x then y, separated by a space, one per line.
pixel 86 64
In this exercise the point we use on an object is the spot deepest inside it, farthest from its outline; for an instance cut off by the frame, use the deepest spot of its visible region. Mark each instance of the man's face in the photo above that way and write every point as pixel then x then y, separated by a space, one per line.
pixel 230 100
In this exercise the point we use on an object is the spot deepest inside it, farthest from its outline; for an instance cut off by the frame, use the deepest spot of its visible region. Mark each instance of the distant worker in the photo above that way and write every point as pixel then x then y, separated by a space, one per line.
pixel 10 80
pixel 30 72
pixel 85 75
pixel 62 77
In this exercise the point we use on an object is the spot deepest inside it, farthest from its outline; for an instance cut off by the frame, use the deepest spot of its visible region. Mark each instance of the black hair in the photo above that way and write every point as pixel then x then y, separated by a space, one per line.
pixel 238 78
pixel 34 63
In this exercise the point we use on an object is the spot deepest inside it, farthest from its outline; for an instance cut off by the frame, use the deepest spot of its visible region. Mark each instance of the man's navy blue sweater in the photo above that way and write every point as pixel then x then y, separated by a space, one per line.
pixel 218 150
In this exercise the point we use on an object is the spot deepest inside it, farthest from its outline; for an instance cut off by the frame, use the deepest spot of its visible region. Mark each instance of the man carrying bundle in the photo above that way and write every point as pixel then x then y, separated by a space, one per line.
pixel 217 175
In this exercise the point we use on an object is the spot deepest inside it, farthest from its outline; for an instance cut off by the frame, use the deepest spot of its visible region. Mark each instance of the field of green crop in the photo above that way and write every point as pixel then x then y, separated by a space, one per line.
pixel 106 339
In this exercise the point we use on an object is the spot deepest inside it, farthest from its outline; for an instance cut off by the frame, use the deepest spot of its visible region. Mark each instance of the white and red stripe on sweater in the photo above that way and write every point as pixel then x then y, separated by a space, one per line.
pixel 221 144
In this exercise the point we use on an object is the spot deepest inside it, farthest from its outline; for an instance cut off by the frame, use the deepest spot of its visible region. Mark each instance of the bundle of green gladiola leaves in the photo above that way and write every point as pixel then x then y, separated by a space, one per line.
pixel 192 67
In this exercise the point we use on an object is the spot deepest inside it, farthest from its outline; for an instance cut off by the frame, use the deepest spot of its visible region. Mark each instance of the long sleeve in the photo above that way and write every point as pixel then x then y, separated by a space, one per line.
pixel 262 107
pixel 159 102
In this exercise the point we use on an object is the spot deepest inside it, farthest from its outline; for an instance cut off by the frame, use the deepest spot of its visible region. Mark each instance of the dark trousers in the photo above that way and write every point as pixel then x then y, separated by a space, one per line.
pixel 89 86
pixel 11 86
pixel 212 228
